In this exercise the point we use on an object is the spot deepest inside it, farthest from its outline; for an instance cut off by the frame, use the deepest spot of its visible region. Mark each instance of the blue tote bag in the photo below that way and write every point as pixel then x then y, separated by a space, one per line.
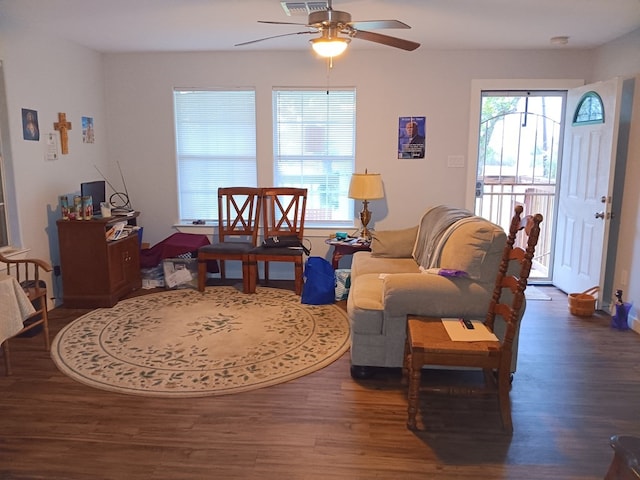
pixel 319 282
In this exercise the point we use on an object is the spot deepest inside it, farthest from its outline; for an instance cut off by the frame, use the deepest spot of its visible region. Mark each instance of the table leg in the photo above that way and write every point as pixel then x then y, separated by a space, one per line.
pixel 335 258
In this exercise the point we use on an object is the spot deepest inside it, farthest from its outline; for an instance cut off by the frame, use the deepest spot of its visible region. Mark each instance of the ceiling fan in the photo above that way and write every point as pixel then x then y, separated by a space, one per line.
pixel 336 31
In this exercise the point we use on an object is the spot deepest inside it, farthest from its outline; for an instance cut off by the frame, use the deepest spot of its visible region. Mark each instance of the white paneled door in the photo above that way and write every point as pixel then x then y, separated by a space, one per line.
pixel 586 190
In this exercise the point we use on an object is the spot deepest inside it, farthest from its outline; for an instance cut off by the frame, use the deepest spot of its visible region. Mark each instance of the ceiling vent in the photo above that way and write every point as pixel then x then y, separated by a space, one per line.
pixel 293 9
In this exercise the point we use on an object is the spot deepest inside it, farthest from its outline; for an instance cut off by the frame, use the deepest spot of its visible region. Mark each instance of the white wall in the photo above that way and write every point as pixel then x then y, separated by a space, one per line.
pixel 618 57
pixel 50 77
pixel 389 84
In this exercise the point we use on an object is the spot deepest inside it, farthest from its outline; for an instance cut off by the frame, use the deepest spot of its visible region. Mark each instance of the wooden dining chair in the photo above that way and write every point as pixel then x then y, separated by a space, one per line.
pixel 238 224
pixel 429 343
pixel 27 273
pixel 283 212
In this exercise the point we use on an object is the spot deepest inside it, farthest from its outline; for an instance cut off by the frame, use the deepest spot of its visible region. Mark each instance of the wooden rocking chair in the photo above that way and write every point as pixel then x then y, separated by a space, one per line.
pixel 27 274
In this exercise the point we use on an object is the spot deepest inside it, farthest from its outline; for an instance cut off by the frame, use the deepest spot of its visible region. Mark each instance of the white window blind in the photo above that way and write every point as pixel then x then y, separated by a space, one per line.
pixel 314 148
pixel 216 147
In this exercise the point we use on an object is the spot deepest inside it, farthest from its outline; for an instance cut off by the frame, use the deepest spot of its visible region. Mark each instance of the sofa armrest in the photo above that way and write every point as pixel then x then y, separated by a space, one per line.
pixel 434 296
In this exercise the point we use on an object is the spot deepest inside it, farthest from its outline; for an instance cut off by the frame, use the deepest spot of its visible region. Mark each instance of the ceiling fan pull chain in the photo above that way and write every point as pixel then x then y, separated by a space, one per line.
pixel 329 67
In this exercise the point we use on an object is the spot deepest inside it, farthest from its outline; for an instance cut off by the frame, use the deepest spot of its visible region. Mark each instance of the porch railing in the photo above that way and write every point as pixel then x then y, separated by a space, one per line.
pixel 497 204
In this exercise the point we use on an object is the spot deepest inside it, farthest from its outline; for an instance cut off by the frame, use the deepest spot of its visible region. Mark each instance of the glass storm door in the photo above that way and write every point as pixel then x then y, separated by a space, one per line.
pixel 520 136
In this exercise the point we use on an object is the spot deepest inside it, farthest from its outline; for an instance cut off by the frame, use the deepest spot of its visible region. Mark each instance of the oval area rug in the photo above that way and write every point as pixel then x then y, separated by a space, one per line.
pixel 186 343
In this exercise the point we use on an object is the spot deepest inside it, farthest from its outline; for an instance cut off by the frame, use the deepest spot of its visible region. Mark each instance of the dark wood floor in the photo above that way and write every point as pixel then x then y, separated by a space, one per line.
pixel 578 383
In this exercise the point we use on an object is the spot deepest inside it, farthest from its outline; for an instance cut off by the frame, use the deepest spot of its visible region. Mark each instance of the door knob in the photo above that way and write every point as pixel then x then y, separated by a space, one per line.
pixel 600 215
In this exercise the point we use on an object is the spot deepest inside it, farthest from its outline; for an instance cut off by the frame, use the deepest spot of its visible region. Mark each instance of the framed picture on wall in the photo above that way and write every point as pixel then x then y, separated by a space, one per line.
pixel 30 129
pixel 88 135
pixel 412 136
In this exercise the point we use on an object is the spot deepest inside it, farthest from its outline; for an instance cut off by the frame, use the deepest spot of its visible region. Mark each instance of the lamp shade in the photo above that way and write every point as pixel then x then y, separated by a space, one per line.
pixel 329 47
pixel 366 186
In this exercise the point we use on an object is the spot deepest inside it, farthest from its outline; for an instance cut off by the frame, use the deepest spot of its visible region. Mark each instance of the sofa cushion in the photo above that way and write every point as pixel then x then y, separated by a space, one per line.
pixel 474 247
pixel 364 305
pixel 365 262
pixel 393 243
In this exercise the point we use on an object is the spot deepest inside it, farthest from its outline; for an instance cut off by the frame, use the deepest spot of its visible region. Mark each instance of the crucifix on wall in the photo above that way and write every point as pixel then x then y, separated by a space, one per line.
pixel 63 127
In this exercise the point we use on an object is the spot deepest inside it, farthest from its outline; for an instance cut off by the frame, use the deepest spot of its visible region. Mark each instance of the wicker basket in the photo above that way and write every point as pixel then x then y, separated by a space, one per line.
pixel 583 304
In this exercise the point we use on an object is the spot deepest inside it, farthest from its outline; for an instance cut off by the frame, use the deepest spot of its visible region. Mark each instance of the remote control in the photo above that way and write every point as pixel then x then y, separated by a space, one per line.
pixel 468 323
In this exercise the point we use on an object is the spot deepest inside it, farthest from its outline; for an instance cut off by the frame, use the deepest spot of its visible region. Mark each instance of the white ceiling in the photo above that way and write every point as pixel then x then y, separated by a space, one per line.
pixel 202 25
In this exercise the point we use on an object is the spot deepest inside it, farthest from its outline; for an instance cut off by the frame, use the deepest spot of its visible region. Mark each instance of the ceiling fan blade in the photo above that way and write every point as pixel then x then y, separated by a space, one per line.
pixel 386 40
pixel 377 24
pixel 281 23
pixel 269 38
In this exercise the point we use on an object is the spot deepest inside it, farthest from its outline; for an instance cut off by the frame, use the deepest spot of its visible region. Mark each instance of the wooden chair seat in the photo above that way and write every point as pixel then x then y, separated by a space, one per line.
pixel 226 248
pixel 430 337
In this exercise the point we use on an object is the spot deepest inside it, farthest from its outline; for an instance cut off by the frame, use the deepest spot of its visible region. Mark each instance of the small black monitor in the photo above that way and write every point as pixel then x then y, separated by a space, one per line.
pixel 98 192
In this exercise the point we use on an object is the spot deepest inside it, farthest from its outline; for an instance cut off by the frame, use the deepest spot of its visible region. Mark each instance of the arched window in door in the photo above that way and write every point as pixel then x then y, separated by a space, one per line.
pixel 589 110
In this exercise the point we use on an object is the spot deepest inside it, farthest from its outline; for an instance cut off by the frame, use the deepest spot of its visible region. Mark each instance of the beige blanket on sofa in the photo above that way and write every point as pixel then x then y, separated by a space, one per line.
pixel 433 226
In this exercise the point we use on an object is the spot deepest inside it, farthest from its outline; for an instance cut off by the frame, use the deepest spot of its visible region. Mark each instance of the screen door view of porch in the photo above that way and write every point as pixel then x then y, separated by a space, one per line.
pixel 518 158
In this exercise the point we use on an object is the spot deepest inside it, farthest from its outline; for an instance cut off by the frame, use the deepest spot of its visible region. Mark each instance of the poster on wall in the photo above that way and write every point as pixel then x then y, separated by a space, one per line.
pixel 30 129
pixel 87 130
pixel 412 135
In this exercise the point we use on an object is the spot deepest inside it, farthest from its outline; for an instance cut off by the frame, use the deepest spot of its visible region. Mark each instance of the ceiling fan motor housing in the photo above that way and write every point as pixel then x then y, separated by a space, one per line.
pixel 329 18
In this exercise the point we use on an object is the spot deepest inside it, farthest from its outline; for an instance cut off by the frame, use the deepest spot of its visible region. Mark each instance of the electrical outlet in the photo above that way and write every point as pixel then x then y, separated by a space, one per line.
pixel 56 270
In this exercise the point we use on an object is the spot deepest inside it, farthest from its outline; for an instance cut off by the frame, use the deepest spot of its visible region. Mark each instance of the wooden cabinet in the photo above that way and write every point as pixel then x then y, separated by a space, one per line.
pixel 95 272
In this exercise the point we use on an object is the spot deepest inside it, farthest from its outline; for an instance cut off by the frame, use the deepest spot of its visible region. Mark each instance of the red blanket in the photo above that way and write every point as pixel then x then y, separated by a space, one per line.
pixel 174 246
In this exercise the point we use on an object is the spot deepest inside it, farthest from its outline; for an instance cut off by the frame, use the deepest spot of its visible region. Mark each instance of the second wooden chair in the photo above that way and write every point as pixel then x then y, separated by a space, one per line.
pixel 283 212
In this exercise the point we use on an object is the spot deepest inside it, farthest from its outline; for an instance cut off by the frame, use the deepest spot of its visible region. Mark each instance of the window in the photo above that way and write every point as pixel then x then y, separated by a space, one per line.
pixel 314 148
pixel 215 146
pixel 589 110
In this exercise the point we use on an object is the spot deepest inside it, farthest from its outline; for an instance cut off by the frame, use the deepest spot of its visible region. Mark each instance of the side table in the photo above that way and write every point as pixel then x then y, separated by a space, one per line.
pixel 340 249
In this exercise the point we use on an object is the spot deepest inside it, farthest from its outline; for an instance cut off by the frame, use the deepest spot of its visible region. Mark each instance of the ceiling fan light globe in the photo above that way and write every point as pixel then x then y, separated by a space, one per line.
pixel 329 47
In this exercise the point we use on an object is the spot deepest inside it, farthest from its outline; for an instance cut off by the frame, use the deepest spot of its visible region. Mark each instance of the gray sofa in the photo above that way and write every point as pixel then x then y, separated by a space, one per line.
pixel 395 280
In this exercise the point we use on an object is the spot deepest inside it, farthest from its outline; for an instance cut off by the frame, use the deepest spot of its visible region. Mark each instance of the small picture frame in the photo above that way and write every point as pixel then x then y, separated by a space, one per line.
pixel 88 134
pixel 30 128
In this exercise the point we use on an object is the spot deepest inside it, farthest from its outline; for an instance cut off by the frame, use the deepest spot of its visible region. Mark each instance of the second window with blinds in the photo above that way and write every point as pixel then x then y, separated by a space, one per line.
pixel 314 148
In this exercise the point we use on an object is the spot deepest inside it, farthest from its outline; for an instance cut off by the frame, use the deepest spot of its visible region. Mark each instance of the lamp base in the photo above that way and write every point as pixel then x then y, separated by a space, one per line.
pixel 365 217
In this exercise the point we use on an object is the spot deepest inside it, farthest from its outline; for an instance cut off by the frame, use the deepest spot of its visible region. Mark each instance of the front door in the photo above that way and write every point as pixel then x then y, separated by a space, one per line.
pixel 586 187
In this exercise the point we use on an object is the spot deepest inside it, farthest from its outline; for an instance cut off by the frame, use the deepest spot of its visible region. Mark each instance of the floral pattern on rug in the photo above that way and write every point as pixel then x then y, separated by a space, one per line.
pixel 185 343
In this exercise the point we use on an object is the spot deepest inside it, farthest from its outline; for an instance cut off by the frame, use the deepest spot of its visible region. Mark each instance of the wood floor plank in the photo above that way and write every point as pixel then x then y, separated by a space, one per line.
pixel 577 383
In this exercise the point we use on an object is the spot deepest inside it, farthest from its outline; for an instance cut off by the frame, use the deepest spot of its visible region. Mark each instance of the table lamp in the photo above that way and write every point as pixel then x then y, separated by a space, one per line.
pixel 366 186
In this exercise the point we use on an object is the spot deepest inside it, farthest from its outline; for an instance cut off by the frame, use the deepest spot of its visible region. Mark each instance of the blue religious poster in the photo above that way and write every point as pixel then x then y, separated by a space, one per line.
pixel 412 137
